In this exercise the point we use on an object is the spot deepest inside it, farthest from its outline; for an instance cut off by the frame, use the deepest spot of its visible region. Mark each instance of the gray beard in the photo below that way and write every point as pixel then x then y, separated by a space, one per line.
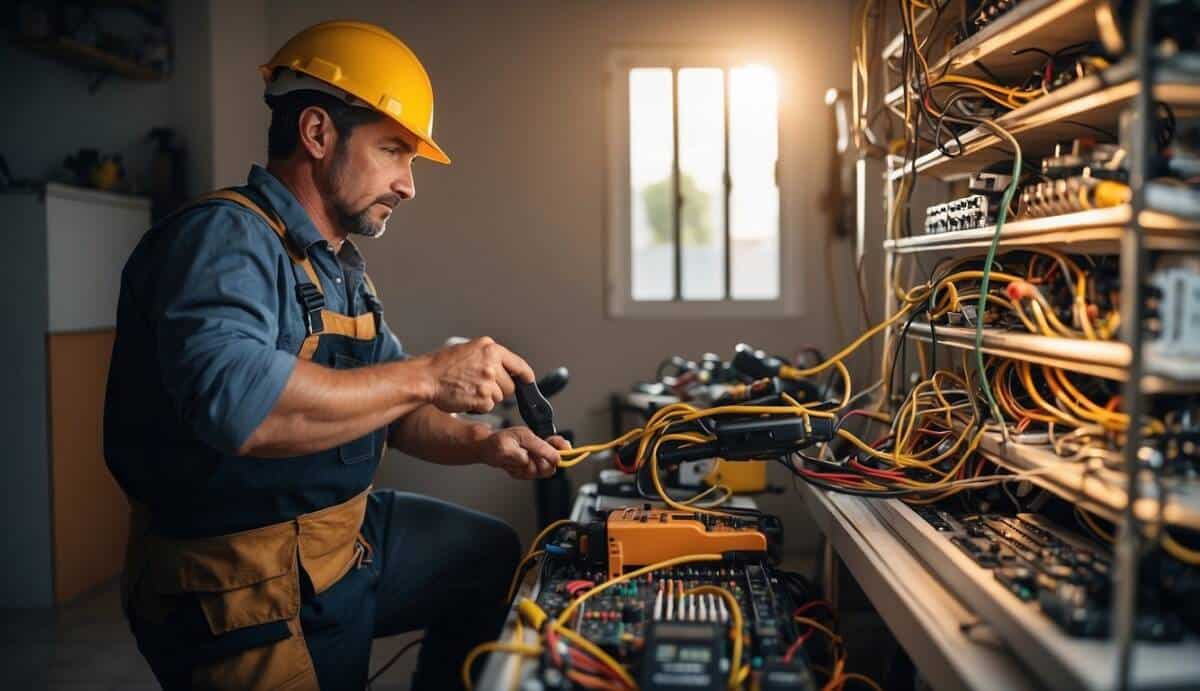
pixel 353 222
pixel 361 224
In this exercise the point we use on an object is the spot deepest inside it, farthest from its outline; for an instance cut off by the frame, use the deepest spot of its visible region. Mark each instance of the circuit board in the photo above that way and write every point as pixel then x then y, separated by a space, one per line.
pixel 622 619
pixel 1068 575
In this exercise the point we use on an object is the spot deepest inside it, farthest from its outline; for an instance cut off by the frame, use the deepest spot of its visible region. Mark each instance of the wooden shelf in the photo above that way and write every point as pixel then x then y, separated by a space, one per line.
pixel 1107 359
pixel 1094 101
pixel 937 631
pixel 1097 231
pixel 83 56
pixel 1058 660
pixel 1092 486
pixel 1049 25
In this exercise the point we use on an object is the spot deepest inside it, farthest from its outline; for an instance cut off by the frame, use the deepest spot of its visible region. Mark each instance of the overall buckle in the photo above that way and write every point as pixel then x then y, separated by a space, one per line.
pixel 312 302
pixel 376 309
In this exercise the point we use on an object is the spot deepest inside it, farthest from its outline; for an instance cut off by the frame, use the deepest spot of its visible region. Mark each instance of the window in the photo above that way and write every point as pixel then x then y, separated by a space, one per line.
pixel 696 217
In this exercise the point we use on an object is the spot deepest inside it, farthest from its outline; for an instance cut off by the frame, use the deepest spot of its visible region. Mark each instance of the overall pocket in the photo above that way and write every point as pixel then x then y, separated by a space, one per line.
pixel 366 447
pixel 240 580
pixel 248 587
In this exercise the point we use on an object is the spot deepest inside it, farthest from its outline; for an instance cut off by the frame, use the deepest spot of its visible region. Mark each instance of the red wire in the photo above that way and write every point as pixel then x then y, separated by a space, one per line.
pixel 579 659
pixel 833 477
pixel 881 474
pixel 815 603
pixel 573 587
pixel 795 646
pixel 854 413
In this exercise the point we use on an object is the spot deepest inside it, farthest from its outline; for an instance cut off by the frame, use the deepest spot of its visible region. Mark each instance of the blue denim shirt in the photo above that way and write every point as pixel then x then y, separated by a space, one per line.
pixel 208 325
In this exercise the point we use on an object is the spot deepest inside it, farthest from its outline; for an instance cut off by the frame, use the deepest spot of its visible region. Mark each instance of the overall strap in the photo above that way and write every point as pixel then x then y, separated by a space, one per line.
pixel 317 319
pixel 308 284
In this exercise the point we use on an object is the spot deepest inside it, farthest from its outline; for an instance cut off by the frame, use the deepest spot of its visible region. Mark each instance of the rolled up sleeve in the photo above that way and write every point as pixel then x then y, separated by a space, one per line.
pixel 390 349
pixel 216 316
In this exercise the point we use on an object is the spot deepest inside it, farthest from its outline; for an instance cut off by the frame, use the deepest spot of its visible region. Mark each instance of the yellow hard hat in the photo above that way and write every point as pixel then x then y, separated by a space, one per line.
pixel 368 63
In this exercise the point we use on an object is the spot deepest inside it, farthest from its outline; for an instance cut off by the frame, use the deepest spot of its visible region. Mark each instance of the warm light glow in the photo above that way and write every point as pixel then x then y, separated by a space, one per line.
pixel 698 109
pixel 759 83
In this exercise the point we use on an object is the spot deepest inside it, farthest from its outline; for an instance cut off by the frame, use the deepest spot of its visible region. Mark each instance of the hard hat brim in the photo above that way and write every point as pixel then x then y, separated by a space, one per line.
pixel 426 148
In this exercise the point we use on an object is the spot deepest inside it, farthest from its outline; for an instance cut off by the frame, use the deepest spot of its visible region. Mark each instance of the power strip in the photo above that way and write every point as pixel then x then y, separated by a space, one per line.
pixel 967 213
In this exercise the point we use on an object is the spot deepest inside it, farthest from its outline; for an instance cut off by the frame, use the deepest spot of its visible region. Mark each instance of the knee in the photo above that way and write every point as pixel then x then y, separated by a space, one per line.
pixel 500 543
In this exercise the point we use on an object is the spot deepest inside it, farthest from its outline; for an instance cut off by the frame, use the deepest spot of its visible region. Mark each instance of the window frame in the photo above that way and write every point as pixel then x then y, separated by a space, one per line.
pixel 619 290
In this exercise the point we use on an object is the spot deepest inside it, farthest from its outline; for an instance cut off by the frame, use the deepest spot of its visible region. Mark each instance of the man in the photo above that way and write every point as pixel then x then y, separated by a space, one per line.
pixel 255 384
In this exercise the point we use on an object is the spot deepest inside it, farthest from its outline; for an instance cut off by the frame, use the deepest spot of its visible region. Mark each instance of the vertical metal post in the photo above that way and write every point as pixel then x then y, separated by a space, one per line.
pixel 728 186
pixel 829 571
pixel 676 186
pixel 860 208
pixel 1133 273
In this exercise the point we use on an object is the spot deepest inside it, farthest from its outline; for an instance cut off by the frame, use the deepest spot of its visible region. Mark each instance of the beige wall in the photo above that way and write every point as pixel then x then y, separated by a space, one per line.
pixel 510 240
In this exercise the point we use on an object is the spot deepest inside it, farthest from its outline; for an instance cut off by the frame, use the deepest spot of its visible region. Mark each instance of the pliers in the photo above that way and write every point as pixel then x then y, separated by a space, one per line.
pixel 535 409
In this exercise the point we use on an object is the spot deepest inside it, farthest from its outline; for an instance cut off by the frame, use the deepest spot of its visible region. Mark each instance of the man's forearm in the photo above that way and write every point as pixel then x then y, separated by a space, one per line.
pixel 436 436
pixel 321 407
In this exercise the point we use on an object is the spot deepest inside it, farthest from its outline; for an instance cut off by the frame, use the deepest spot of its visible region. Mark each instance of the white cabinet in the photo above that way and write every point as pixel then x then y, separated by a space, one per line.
pixel 65 518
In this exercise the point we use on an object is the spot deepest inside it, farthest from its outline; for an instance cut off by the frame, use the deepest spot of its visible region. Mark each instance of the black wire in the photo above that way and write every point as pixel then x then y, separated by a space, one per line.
pixel 407 647
pixel 901 348
pixel 1084 125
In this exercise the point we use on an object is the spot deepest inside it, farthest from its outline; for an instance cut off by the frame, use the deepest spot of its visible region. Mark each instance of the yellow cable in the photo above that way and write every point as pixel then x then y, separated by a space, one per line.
pixel 662 492
pixel 494 646
pixel 789 372
pixel 988 86
pixel 1023 370
pixel 565 615
pixel 735 659
pixel 1169 544
pixel 516 579
pixel 518 638
pixel 595 651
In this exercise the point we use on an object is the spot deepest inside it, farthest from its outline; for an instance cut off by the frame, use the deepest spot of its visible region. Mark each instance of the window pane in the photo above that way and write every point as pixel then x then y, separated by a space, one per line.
pixel 701 181
pixel 754 197
pixel 651 207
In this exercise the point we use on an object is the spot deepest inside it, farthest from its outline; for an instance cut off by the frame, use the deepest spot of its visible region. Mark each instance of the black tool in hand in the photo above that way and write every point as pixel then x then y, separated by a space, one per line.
pixel 535 409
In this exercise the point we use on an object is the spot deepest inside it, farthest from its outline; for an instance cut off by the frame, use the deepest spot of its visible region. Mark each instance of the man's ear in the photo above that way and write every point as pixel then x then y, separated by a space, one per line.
pixel 317 133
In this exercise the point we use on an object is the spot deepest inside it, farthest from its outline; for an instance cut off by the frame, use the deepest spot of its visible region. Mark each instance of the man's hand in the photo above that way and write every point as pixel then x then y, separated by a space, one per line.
pixel 475 376
pixel 521 453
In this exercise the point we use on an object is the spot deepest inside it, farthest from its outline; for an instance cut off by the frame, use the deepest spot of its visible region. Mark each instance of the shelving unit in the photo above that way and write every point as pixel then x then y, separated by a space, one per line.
pixel 89 58
pixel 1059 661
pixel 1092 485
pixel 1095 101
pixel 1159 218
pixel 1107 359
pixel 60 44
pixel 1096 231
pixel 1047 24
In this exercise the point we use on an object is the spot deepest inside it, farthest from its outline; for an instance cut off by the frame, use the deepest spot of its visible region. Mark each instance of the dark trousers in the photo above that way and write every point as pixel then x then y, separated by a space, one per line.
pixel 437 567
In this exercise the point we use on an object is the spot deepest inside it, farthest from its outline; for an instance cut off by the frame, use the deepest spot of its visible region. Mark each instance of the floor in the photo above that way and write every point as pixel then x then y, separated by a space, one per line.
pixel 86 646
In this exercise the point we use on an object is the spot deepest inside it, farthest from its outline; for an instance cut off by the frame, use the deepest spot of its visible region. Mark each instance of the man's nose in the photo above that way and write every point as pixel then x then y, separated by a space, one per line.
pixel 405 186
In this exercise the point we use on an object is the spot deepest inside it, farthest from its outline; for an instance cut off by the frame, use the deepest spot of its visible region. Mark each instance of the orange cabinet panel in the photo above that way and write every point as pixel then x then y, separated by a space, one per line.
pixel 90 514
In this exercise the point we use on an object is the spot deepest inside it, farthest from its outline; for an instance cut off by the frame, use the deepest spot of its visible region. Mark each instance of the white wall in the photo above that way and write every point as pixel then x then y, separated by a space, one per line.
pixel 509 241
